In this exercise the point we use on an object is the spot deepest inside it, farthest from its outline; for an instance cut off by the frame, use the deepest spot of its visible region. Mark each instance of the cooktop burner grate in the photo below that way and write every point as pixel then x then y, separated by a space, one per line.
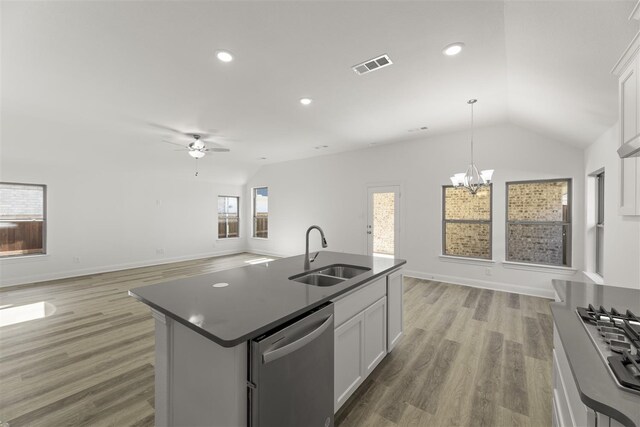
pixel 616 336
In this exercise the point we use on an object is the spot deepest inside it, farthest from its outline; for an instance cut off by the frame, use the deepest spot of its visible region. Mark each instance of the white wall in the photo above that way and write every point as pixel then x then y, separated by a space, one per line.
pixel 621 233
pixel 117 219
pixel 114 217
pixel 115 195
pixel 331 191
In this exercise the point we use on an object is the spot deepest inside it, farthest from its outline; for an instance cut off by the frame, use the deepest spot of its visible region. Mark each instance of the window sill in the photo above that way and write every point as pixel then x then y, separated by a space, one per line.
pixel 23 258
pixel 222 239
pixel 260 238
pixel 539 267
pixel 594 277
pixel 463 260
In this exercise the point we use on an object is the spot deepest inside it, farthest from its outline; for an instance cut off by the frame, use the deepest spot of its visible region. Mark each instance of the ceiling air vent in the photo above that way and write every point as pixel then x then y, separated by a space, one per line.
pixel 372 65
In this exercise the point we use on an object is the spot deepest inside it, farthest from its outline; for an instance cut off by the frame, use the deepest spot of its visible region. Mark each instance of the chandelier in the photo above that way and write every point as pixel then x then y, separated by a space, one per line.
pixel 473 179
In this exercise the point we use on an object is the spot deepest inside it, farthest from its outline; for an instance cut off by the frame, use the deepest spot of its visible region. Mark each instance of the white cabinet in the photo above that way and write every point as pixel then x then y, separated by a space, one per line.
pixel 368 322
pixel 360 344
pixel 375 335
pixel 349 358
pixel 627 70
pixel 395 309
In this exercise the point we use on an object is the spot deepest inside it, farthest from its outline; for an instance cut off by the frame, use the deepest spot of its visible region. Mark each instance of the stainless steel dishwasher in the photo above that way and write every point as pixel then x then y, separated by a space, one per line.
pixel 291 373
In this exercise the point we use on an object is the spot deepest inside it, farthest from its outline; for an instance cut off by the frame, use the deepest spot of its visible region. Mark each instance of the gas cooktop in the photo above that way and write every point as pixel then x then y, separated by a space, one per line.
pixel 616 336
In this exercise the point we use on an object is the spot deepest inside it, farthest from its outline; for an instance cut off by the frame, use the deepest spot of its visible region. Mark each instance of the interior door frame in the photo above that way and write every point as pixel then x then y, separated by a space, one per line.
pixel 388 186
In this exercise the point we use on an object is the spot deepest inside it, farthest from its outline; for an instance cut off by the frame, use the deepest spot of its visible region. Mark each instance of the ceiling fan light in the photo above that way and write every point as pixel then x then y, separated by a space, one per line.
pixel 196 154
pixel 197 144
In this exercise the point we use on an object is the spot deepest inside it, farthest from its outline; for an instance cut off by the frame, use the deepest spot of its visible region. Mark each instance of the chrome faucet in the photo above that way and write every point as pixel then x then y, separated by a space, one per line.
pixel 307 263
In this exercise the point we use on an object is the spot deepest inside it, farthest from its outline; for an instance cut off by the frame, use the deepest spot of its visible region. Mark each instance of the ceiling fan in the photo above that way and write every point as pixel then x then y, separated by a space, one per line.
pixel 198 148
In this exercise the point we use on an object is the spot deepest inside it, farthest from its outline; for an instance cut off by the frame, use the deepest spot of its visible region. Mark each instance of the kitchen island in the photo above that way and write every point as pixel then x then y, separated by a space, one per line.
pixel 204 325
pixel 585 393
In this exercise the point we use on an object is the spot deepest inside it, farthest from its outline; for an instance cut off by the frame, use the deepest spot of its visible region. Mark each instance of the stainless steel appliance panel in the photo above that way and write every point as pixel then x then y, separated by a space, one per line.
pixel 291 374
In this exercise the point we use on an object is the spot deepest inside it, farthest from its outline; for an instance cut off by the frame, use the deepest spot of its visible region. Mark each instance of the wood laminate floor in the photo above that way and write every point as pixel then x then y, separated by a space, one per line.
pixel 468 357
pixel 90 362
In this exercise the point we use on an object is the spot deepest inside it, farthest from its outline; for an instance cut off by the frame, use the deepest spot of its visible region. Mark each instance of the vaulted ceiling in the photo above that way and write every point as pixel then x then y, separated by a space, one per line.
pixel 108 76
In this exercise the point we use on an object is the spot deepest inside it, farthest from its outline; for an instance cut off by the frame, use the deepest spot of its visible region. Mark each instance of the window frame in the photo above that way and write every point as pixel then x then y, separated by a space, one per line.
pixel 569 224
pixel 227 219
pixel 467 221
pixel 253 212
pixel 600 208
pixel 44 221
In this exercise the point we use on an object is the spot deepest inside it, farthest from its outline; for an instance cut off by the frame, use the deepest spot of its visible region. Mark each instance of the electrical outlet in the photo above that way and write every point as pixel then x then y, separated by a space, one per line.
pixel 160 251
pixel 487 271
pixel 76 260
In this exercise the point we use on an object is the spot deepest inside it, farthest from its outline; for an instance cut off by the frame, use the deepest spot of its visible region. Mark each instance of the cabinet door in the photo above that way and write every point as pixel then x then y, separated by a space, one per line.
pixel 629 186
pixel 629 122
pixel 349 359
pixel 395 308
pixel 375 334
pixel 629 103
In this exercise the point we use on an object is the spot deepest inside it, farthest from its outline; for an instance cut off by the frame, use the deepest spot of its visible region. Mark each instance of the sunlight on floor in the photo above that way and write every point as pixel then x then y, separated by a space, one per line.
pixel 10 315
pixel 259 261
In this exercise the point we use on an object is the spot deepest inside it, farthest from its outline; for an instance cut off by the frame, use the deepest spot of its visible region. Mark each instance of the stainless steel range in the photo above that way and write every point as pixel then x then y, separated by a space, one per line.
pixel 617 337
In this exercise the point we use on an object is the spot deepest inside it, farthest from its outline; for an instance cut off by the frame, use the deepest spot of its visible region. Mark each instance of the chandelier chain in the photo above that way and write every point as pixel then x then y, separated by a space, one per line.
pixel 472 133
pixel 473 179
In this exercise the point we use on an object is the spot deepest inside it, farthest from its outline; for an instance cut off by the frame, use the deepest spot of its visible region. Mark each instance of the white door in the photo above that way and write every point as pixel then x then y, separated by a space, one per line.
pixel 383 220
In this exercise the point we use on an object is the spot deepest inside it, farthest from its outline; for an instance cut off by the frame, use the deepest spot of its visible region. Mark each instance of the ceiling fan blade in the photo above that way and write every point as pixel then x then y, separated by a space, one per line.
pixel 201 135
pixel 190 135
pixel 165 128
pixel 174 143
pixel 218 149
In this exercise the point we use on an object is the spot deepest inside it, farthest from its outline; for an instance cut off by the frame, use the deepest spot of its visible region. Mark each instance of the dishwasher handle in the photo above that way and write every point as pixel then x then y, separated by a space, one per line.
pixel 270 356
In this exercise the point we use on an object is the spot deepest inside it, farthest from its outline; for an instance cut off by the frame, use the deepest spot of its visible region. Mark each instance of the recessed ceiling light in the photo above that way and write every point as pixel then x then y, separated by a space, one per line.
pixel 453 49
pixel 305 101
pixel 224 56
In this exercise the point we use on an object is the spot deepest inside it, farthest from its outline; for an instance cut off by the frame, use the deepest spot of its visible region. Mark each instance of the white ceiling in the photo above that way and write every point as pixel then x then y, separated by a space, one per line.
pixel 104 73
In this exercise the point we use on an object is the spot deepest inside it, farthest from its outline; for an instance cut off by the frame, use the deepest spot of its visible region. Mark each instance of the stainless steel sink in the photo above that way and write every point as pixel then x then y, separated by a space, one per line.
pixel 316 279
pixel 343 271
pixel 330 275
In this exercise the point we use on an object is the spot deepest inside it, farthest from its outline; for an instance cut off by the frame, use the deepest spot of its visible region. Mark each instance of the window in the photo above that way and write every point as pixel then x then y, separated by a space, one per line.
pixel 261 212
pixel 466 222
pixel 600 223
pixel 539 222
pixel 22 219
pixel 228 217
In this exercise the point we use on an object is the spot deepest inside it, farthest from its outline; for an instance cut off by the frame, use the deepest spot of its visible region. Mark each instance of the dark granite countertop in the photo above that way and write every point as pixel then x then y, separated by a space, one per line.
pixel 597 388
pixel 259 297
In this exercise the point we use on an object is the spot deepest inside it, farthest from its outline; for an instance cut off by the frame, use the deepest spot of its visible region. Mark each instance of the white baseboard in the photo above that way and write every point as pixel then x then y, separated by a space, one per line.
pixel 24 280
pixel 484 284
